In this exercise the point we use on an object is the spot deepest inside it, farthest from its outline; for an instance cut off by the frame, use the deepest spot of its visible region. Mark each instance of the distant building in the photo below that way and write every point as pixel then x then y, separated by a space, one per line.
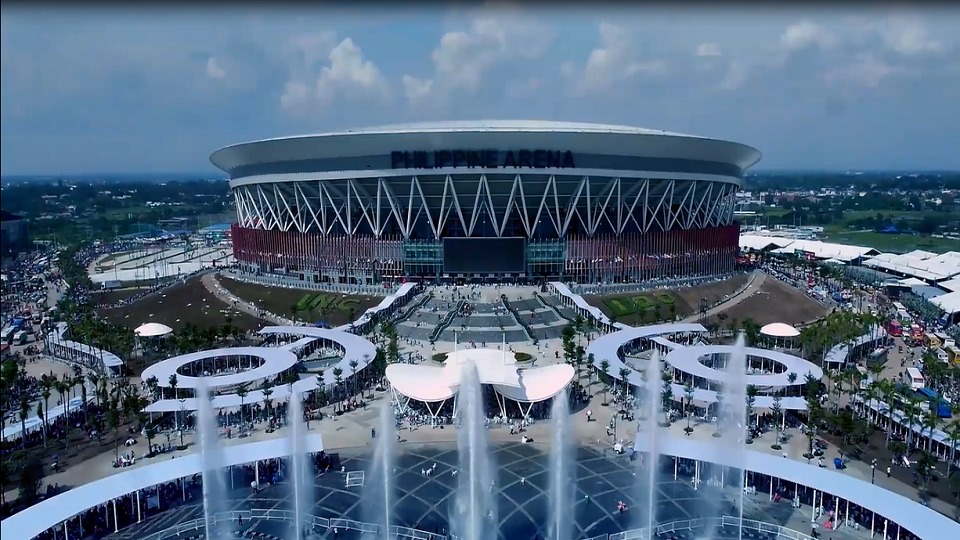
pixel 13 234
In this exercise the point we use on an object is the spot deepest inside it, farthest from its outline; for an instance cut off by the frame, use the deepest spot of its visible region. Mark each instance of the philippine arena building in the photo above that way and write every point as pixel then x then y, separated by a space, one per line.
pixel 486 200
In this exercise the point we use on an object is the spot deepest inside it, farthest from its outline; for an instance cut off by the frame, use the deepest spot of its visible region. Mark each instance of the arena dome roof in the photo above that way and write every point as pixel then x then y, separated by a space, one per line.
pixel 577 137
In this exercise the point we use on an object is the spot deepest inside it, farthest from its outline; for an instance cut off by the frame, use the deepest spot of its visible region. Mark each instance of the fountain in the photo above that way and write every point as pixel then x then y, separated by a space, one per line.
pixel 211 462
pixel 733 423
pixel 300 474
pixel 654 397
pixel 378 492
pixel 562 471
pixel 475 512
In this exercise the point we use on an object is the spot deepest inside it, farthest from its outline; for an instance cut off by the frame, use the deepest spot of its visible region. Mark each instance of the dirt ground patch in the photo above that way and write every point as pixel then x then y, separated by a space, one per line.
pixel 775 302
pixel 344 308
pixel 686 300
pixel 178 305
pixel 112 297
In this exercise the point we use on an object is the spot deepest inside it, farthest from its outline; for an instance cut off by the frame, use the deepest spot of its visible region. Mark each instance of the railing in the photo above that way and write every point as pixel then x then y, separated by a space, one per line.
pixel 516 316
pixel 406 533
pixel 447 320
pixel 554 308
pixel 405 314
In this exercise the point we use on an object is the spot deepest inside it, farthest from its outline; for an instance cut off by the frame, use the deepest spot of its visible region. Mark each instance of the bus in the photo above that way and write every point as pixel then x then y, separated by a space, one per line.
pixel 913 378
pixel 928 395
pixel 894 328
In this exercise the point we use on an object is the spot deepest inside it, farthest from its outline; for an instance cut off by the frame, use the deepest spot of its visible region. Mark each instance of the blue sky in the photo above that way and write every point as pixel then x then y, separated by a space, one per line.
pixel 150 91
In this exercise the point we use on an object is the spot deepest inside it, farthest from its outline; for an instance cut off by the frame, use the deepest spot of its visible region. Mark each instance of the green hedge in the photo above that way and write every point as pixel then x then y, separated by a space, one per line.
pixel 440 357
pixel 522 357
pixel 643 303
pixel 320 299
pixel 620 306
pixel 304 301
pixel 665 298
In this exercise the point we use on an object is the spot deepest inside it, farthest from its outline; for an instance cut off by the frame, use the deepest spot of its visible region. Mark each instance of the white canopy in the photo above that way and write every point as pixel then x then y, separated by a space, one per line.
pixel 152 329
pixel 431 384
pixel 780 330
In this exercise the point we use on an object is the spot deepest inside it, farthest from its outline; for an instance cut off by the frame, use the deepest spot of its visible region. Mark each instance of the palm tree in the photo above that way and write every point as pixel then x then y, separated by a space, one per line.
pixel 750 398
pixel 604 367
pixel 688 391
pixel 338 379
pixel 41 413
pixel 172 383
pixel 353 374
pixel 666 394
pixel 777 410
pixel 719 413
pixel 267 391
pixel 94 379
pixel 45 384
pixel 625 379
pixel 929 422
pixel 24 414
pixel 953 434
pixel 242 392
pixel 320 388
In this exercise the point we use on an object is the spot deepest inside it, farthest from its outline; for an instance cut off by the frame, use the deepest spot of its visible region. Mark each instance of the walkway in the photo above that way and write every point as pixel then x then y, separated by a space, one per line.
pixel 213 285
pixel 756 281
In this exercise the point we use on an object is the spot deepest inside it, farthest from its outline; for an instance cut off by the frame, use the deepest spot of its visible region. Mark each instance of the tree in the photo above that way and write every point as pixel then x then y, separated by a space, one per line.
pixel 31 478
pixel 750 399
pixel 688 391
pixel 46 384
pixel 318 394
pixel 625 380
pixel 666 394
pixel 267 390
pixel 242 391
pixel 604 367
pixel 777 411
pixel 338 379
pixel 113 420
pixel 172 383
pixel 24 414
pixel 720 413
pixel 353 374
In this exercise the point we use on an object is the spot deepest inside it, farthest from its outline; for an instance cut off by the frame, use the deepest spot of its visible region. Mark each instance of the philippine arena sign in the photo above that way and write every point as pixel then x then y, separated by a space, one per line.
pixel 484 159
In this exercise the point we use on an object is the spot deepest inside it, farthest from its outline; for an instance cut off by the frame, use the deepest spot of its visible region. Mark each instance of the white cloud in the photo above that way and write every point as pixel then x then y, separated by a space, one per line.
pixel 867 71
pixel 806 34
pixel 214 71
pixel 523 87
pixel 347 74
pixel 613 62
pixel 708 49
pixel 907 36
pixel 735 77
pixel 494 35
pixel 417 90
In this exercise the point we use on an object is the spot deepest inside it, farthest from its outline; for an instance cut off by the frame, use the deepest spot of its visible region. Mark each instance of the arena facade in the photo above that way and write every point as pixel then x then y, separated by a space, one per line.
pixel 495 200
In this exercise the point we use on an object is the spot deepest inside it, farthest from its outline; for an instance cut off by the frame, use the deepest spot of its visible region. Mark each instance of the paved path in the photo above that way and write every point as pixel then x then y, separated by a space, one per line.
pixel 756 281
pixel 213 285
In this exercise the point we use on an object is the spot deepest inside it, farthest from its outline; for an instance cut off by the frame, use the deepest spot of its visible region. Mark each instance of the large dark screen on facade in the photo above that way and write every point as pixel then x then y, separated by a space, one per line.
pixel 484 255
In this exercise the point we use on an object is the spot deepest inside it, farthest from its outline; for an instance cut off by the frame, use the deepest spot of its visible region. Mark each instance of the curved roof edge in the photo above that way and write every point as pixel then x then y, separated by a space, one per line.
pixel 920 520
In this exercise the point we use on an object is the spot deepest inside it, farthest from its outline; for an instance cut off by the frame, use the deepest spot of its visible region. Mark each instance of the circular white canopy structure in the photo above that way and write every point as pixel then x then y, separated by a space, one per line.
pixel 779 330
pixel 274 361
pixel 355 348
pixel 498 368
pixel 609 347
pixel 687 360
pixel 152 329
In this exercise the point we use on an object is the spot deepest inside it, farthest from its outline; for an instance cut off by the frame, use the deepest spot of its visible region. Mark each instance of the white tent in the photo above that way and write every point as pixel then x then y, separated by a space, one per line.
pixel 779 330
pixel 152 329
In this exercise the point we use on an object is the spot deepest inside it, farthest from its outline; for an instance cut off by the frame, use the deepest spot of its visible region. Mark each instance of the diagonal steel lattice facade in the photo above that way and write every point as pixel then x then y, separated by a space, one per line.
pixel 583 228
pixel 422 207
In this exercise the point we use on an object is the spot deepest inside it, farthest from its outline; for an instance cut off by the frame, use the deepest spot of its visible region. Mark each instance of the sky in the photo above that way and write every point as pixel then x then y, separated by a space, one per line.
pixel 153 90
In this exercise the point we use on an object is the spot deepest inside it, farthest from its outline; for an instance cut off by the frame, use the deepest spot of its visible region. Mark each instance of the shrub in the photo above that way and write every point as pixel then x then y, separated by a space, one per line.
pixel 619 306
pixel 303 302
pixel 440 357
pixel 664 298
pixel 522 357
pixel 643 303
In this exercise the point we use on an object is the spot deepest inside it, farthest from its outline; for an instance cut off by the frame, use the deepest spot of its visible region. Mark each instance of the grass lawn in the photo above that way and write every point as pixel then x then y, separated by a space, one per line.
pixel 309 306
pixel 898 243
